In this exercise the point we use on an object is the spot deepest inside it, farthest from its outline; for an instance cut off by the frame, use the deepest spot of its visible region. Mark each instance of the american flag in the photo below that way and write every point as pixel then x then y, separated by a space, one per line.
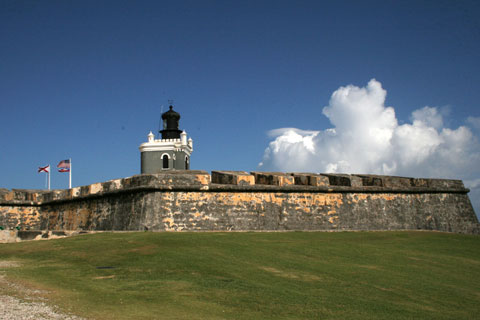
pixel 64 166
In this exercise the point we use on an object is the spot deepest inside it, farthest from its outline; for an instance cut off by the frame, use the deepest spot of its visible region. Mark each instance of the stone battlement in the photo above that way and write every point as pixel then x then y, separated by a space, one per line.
pixel 197 180
pixel 237 200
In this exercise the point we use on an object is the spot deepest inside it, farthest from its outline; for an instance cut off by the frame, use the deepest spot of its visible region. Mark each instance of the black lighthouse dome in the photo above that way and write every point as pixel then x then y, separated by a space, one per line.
pixel 170 125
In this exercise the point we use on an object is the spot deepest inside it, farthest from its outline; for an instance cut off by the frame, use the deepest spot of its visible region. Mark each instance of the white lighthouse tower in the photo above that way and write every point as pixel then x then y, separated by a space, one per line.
pixel 172 152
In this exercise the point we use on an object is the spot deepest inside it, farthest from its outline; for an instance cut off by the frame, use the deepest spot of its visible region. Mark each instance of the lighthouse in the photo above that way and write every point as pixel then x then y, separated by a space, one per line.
pixel 171 152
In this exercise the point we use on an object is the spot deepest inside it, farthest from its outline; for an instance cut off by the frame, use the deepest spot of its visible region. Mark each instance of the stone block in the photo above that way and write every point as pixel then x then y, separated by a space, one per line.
pixel 9 196
pixel 396 182
pixel 75 192
pixel 8 236
pixel 300 179
pixel 356 181
pixel 112 185
pixel 184 177
pixel 169 179
pixel 309 179
pixel 24 195
pixel 419 182
pixel 96 188
pixel 28 235
pixel 273 178
pixel 62 194
pixel 445 184
pixel 49 196
pixel 337 179
pixel 141 180
pixel 233 177
pixel 3 194
pixel 369 180
pixel 319 181
pixel 84 191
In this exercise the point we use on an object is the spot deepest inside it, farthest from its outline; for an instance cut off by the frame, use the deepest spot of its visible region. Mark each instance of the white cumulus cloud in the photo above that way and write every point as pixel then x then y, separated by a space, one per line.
pixel 366 138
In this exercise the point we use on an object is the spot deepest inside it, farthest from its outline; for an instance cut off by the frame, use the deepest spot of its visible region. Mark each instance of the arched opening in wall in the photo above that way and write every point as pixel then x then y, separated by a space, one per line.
pixel 165 161
pixel 187 163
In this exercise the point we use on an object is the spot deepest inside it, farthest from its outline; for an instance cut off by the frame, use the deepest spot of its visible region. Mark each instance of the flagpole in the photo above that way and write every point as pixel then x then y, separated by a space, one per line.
pixel 49 169
pixel 70 175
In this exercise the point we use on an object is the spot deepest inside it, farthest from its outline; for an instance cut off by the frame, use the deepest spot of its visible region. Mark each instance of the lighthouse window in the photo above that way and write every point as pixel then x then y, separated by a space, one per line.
pixel 165 162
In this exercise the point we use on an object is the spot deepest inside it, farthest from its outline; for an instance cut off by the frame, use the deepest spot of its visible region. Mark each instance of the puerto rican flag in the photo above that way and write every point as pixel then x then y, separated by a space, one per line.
pixel 44 169
pixel 64 166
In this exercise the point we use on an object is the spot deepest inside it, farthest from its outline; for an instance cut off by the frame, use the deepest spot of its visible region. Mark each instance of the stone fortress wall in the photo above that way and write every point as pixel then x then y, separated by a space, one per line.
pixel 240 201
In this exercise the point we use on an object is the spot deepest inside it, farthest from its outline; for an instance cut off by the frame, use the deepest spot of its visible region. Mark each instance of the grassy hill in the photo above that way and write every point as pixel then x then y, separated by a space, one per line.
pixel 297 275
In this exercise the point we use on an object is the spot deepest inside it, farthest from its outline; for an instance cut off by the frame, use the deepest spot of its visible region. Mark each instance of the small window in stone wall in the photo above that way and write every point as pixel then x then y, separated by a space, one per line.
pixel 165 162
pixel 187 164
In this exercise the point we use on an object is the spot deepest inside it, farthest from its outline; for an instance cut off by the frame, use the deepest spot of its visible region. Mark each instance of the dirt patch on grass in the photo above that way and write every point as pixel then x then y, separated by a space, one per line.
pixel 16 309
pixel 291 275
pixel 369 267
pixel 150 249
pixel 21 303
pixel 280 273
pixel 105 277
pixel 9 264
pixel 383 289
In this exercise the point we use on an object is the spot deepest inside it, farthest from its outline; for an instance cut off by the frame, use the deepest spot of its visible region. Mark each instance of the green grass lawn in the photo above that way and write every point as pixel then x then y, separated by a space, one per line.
pixel 294 275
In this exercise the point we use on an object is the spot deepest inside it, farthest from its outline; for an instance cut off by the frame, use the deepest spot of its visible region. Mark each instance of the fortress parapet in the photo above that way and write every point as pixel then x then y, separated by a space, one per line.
pixel 189 200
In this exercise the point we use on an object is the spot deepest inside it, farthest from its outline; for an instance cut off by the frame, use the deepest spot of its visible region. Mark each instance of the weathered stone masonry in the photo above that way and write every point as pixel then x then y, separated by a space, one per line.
pixel 238 201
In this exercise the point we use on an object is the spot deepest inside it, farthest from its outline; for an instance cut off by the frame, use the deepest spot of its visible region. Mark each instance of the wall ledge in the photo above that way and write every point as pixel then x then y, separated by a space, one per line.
pixel 235 181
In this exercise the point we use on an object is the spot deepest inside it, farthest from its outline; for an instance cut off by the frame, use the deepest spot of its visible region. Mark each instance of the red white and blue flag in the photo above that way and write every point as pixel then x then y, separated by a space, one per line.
pixel 64 166
pixel 44 169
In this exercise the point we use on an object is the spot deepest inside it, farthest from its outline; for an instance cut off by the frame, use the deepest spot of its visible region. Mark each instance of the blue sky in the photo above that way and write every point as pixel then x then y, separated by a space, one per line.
pixel 87 79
